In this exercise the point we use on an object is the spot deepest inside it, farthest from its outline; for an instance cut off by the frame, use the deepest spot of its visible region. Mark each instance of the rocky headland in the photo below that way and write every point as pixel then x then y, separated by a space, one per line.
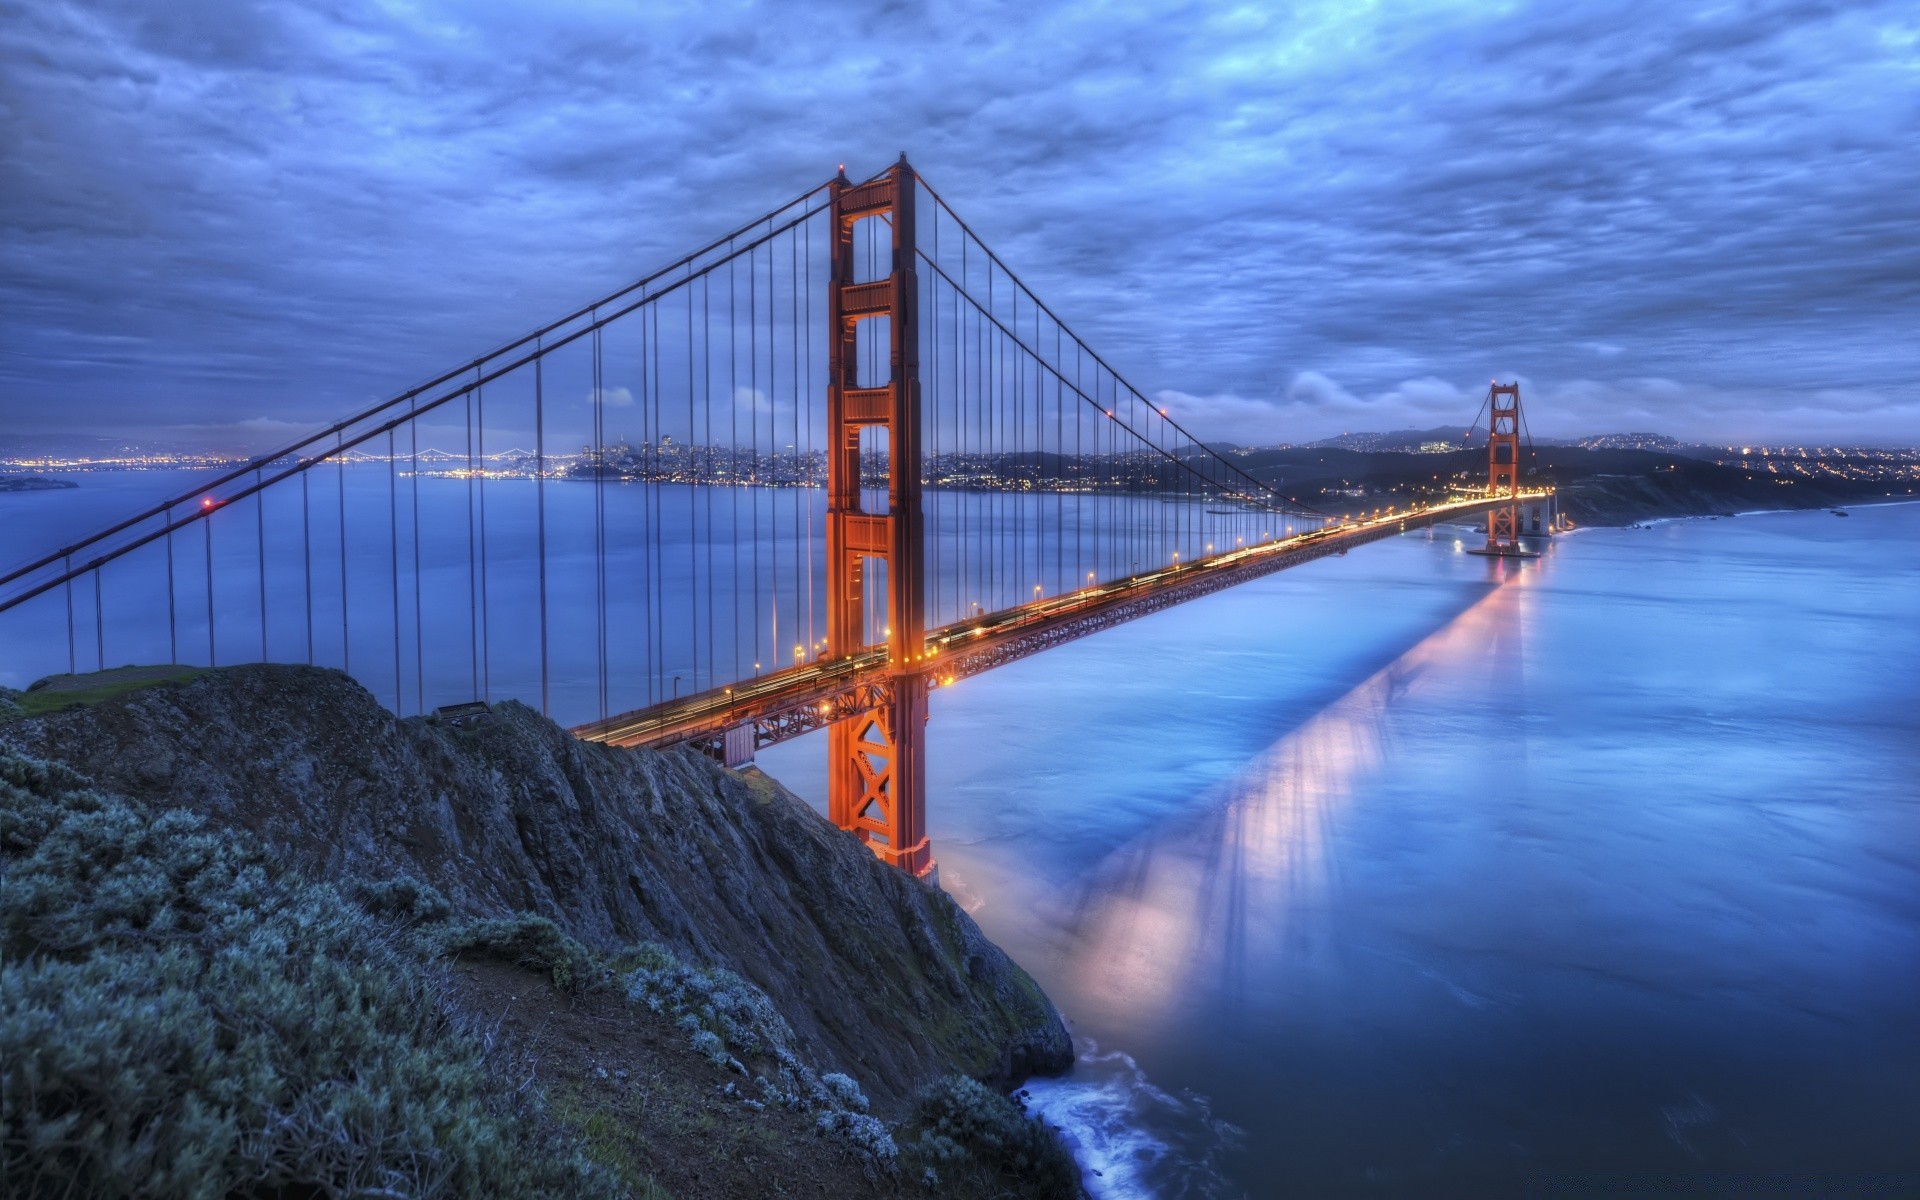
pixel 682 980
pixel 33 483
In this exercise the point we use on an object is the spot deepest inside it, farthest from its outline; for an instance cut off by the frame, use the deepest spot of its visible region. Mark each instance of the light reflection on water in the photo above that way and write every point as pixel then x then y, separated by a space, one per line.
pixel 1413 874
pixel 1211 895
pixel 1407 873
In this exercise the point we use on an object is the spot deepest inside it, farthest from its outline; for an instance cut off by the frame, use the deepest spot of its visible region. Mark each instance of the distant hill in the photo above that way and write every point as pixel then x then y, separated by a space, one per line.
pixel 33 483
pixel 1598 486
pixel 68 445
pixel 1628 441
pixel 1406 441
pixel 1441 438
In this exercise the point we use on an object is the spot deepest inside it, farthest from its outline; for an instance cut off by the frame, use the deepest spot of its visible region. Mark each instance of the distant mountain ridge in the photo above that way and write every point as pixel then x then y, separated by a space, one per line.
pixel 1438 438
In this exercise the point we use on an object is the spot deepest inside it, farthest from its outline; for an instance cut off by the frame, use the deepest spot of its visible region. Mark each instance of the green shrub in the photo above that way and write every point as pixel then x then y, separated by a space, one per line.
pixel 844 1091
pixel 180 1019
pixel 868 1138
pixel 719 1000
pixel 405 899
pixel 963 1122
pixel 529 941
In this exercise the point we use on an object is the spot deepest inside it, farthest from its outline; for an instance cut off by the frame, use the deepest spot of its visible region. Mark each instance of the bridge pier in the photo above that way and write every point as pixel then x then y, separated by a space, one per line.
pixel 1539 517
pixel 879 776
pixel 737 746
pixel 876 771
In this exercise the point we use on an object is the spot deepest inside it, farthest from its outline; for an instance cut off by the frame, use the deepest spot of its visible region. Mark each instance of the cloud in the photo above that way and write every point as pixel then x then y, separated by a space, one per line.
pixel 611 397
pixel 1314 405
pixel 204 201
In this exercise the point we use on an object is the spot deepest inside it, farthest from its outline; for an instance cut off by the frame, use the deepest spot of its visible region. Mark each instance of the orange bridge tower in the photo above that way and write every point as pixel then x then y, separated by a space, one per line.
pixel 1503 469
pixel 877 771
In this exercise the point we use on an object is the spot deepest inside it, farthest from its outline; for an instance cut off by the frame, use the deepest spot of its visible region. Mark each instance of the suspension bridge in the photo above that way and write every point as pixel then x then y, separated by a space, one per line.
pixel 827 463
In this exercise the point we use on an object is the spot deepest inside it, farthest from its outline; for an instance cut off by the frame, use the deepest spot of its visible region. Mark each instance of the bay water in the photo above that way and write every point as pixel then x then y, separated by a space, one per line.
pixel 1404 873
pixel 1412 873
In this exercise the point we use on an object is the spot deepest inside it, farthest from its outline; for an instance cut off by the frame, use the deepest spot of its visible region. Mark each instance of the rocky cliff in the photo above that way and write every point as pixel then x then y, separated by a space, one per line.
pixel 880 976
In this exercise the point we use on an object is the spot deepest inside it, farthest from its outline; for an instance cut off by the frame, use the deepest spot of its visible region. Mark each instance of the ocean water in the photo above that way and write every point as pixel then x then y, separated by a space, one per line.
pixel 1412 873
pixel 1406 873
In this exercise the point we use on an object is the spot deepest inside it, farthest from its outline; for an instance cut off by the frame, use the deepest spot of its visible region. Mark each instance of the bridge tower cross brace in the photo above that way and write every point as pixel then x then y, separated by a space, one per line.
pixel 1503 467
pixel 876 770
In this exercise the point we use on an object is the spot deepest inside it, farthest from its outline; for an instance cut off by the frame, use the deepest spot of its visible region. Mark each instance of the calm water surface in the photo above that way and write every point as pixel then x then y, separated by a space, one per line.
pixel 1414 874
pixel 1401 874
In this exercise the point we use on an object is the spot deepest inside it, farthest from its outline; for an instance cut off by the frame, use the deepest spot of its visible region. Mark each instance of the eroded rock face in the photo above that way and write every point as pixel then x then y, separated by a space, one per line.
pixel 881 976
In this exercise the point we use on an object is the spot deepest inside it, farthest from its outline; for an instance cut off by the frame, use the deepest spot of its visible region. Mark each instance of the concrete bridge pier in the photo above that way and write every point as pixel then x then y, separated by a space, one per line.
pixel 1540 516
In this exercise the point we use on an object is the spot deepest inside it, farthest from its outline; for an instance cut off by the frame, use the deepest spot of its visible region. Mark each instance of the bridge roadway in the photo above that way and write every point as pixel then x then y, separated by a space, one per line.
pixel 797 700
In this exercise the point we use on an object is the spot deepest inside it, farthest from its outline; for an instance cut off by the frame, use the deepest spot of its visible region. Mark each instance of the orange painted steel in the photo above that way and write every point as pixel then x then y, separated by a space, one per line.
pixel 876 769
pixel 1503 468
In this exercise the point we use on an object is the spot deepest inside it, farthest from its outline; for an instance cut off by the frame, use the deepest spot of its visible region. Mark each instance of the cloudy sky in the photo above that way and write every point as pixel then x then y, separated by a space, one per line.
pixel 228 220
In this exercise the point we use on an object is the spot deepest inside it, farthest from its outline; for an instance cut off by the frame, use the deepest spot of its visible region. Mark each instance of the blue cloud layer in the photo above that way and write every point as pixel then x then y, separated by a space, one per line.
pixel 1290 221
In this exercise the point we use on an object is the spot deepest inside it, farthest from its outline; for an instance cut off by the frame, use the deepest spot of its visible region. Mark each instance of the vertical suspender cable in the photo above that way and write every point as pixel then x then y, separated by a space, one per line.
pixel 486 617
pixel 929 332
pixel 393 569
pixel 306 556
pixel 712 451
pixel 346 625
pixel 206 525
pixel 764 469
pixel 804 446
pixel 73 666
pixel 173 626
pixel 540 514
pixel 996 543
pixel 260 556
pixel 733 434
pixel 650 488
pixel 473 582
pixel 419 629
pixel 693 512
pixel 794 383
pixel 655 554
pixel 753 389
pixel 600 516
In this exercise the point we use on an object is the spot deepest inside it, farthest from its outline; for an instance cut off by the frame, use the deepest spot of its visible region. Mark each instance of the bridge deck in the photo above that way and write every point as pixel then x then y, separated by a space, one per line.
pixel 798 700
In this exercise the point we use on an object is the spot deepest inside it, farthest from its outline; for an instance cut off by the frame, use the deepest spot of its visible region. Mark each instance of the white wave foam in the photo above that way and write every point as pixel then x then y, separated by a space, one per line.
pixel 1133 1140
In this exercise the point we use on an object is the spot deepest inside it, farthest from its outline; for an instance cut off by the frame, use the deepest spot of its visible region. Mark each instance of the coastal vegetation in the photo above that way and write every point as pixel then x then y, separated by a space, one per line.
pixel 203 994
